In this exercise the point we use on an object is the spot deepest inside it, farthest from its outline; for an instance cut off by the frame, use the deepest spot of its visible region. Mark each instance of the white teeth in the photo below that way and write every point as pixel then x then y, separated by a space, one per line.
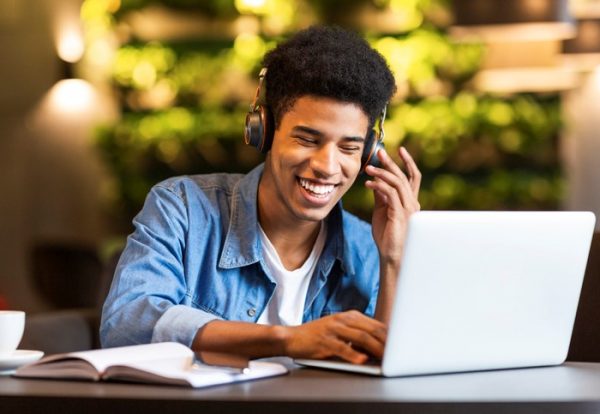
pixel 318 189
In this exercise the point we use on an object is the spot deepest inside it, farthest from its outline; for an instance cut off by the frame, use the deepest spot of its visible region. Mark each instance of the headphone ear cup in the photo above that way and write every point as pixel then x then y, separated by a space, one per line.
pixel 369 155
pixel 268 127
pixel 258 131
pixel 253 129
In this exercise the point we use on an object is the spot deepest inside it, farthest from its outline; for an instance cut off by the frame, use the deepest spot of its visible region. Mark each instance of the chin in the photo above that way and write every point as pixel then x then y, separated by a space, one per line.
pixel 314 217
pixel 314 214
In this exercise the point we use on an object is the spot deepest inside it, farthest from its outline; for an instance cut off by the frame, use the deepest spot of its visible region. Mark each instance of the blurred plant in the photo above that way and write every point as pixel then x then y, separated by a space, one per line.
pixel 212 8
pixel 145 148
pixel 183 103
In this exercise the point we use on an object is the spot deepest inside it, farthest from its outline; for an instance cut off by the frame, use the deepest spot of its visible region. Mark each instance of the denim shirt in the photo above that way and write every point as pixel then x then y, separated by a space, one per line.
pixel 195 256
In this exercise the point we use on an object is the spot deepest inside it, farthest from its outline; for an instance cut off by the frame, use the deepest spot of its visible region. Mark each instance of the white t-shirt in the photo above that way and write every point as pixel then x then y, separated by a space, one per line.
pixel 287 303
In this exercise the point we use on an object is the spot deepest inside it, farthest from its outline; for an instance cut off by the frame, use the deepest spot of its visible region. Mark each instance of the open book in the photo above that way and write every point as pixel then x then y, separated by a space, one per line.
pixel 160 363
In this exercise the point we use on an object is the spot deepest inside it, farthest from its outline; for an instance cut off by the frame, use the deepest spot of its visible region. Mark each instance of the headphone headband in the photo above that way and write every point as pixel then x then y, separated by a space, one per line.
pixel 381 121
pixel 261 79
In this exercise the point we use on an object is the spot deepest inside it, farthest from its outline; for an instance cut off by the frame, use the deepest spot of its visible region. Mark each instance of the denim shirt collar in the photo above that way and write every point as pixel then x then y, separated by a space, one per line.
pixel 242 245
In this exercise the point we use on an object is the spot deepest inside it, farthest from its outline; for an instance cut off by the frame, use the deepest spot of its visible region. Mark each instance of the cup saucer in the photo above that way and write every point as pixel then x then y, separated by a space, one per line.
pixel 9 363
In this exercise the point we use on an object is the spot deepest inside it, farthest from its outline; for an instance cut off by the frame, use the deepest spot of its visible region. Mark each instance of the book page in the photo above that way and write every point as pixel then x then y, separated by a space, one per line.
pixel 195 375
pixel 198 377
pixel 65 367
pixel 171 352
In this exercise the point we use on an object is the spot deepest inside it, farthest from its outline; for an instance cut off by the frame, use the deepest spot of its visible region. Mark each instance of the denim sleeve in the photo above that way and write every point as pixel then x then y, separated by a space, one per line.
pixel 370 310
pixel 144 302
pixel 374 265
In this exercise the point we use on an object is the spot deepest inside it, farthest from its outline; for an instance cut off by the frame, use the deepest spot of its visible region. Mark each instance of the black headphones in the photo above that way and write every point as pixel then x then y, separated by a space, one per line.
pixel 259 129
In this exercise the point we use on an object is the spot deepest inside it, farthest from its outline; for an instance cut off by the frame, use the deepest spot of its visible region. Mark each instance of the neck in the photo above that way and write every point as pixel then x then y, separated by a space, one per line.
pixel 292 238
pixel 293 247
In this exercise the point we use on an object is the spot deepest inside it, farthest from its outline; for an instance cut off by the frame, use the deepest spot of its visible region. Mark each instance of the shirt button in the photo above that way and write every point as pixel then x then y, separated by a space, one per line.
pixel 251 312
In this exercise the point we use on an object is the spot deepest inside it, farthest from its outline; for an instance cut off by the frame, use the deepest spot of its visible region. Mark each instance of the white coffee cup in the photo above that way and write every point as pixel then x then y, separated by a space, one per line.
pixel 12 325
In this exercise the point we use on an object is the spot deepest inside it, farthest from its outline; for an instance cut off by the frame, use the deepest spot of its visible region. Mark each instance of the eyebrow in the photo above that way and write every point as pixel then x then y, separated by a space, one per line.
pixel 315 132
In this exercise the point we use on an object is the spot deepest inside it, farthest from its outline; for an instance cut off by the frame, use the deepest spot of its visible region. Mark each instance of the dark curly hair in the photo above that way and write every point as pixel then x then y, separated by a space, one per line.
pixel 328 62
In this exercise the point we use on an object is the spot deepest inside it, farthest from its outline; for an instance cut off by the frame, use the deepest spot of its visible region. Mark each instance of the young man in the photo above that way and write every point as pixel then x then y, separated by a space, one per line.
pixel 269 263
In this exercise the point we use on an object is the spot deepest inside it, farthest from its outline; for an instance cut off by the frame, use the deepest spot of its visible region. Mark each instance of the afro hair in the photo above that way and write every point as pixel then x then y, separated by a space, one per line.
pixel 328 62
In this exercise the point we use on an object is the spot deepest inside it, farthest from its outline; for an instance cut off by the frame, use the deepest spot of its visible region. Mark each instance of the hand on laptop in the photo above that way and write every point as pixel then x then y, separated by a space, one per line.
pixel 340 335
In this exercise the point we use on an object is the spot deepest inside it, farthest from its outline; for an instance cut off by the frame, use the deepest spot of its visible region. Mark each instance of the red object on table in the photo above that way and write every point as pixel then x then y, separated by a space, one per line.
pixel 3 303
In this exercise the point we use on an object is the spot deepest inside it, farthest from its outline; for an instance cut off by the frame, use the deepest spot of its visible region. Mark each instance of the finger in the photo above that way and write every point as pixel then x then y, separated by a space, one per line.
pixel 380 199
pixel 400 184
pixel 362 340
pixel 358 320
pixel 414 182
pixel 390 166
pixel 344 350
pixel 414 173
pixel 399 181
pixel 385 194
pixel 388 163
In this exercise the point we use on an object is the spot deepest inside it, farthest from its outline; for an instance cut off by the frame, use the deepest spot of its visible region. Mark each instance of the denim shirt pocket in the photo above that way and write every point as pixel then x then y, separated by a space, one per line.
pixel 200 302
pixel 237 294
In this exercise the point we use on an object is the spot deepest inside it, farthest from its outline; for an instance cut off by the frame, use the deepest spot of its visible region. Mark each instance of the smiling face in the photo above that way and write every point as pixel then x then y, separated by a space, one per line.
pixel 314 159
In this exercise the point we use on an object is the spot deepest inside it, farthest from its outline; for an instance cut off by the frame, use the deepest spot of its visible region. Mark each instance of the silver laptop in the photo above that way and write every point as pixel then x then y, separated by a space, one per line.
pixel 483 290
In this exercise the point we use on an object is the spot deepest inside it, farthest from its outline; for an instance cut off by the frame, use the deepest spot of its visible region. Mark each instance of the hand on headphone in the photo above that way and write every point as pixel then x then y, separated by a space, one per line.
pixel 396 198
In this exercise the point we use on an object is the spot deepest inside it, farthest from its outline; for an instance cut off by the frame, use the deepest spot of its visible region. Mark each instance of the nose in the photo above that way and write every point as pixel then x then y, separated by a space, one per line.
pixel 325 161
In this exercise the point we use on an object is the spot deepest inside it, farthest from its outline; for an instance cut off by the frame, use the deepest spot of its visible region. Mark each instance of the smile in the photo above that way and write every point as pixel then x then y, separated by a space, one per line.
pixel 318 190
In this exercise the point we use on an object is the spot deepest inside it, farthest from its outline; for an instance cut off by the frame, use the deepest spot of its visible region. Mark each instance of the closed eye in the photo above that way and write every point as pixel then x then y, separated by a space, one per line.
pixel 350 148
pixel 305 140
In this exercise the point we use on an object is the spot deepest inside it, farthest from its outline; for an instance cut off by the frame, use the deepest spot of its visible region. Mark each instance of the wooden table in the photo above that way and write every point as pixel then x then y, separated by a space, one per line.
pixel 570 388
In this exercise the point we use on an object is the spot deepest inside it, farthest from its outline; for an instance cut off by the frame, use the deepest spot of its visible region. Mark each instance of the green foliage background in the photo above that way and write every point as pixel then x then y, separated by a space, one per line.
pixel 184 101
